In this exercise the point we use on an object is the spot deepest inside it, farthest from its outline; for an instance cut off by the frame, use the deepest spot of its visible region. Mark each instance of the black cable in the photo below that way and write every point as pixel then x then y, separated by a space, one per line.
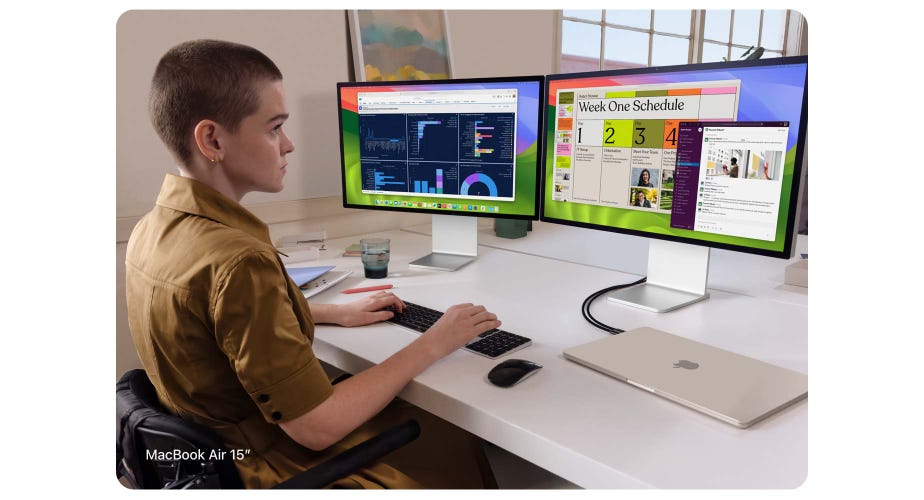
pixel 585 307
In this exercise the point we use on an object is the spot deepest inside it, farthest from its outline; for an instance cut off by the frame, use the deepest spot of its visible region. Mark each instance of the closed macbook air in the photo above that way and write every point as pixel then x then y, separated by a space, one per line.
pixel 733 388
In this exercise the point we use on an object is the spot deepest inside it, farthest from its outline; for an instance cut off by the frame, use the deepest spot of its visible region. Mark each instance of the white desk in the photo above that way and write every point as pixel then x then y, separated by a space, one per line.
pixel 588 428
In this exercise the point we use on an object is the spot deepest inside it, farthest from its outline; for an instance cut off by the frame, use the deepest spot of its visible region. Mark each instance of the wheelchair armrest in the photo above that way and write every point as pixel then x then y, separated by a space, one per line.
pixel 356 457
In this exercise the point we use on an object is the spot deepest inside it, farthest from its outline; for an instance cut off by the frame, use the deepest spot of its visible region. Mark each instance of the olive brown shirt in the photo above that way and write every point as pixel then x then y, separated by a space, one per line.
pixel 222 332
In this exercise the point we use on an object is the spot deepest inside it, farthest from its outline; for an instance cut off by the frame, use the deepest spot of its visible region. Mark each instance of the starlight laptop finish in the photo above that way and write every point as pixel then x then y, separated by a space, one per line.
pixel 730 387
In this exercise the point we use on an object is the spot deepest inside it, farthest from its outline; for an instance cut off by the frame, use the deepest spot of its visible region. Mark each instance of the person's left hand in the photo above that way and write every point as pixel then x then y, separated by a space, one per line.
pixel 368 310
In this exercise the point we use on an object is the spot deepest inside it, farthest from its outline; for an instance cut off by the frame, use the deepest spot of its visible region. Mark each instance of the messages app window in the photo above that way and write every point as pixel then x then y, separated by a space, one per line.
pixel 729 178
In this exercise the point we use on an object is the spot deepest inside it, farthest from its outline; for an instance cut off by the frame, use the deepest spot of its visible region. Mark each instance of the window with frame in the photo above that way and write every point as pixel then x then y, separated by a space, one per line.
pixel 592 40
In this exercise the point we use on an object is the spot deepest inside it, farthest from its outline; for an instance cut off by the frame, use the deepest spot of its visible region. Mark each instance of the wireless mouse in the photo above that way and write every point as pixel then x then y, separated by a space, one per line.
pixel 511 372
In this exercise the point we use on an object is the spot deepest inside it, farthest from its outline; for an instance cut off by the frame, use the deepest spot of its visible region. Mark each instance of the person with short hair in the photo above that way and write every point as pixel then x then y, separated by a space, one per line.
pixel 640 200
pixel 222 332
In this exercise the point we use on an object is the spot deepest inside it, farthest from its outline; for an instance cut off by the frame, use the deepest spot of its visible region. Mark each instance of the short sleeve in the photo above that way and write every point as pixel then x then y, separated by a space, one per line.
pixel 258 328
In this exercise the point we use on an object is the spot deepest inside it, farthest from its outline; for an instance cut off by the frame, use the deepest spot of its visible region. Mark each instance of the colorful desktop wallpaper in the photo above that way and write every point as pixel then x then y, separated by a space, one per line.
pixel 768 93
pixel 527 161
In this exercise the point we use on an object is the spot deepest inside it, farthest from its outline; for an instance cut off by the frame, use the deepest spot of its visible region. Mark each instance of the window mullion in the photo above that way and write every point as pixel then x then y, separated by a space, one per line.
pixel 650 35
pixel 603 40
pixel 731 33
pixel 699 36
pixel 760 28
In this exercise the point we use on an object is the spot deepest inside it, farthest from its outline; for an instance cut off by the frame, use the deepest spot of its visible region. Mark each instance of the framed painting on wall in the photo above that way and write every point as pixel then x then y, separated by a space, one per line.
pixel 400 45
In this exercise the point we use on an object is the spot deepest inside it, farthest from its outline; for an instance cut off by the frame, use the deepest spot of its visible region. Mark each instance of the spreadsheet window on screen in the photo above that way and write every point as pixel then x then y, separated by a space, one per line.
pixel 452 144
pixel 459 147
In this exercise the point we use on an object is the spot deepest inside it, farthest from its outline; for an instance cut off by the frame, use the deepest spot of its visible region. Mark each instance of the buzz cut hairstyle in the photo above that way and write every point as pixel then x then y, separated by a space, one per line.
pixel 205 79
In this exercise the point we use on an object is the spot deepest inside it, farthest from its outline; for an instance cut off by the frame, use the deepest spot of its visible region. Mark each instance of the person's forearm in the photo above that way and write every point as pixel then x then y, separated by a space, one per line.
pixel 359 398
pixel 324 313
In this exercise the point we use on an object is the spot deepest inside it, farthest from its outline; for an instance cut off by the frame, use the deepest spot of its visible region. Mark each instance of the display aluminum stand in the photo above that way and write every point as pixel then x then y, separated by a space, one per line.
pixel 455 243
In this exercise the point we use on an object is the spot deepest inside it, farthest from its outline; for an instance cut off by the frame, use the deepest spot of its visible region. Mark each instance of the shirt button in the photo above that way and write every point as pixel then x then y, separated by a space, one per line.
pixel 276 415
pixel 263 398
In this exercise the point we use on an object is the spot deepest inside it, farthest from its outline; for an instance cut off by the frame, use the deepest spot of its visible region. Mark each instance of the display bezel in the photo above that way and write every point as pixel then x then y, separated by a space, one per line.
pixel 540 145
pixel 794 201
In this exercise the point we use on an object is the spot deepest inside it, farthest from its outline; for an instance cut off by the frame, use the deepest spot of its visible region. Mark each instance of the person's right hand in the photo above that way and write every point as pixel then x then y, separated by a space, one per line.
pixel 459 324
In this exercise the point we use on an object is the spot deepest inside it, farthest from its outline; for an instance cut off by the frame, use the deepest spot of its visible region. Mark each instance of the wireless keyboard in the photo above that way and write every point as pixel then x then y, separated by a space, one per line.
pixel 491 344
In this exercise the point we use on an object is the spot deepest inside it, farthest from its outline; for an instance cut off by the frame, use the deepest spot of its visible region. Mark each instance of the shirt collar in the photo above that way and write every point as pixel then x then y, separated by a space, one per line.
pixel 193 197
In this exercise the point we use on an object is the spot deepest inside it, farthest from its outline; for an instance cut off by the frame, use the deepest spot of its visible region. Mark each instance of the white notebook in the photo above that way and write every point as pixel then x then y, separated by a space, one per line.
pixel 323 282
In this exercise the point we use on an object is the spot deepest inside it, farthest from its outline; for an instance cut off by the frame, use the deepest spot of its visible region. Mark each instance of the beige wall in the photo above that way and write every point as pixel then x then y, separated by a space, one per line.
pixel 310 47
pixel 502 42
pixel 312 50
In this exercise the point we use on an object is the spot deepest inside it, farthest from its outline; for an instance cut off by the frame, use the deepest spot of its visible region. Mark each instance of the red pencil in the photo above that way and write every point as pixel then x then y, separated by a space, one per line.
pixel 367 289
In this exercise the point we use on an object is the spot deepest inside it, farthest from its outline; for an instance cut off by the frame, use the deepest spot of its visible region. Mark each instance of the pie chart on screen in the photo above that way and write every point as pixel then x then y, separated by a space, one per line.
pixel 473 181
